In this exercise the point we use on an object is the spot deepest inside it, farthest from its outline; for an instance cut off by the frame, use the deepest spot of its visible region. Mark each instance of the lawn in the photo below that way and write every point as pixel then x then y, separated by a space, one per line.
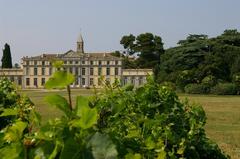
pixel 223 115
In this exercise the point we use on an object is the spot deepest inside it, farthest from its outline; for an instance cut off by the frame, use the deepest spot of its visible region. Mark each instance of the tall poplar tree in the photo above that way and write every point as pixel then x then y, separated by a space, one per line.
pixel 6 58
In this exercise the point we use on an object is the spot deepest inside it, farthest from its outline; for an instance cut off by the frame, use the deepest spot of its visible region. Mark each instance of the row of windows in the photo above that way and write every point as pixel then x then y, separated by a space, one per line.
pixel 91 81
pixel 92 62
pixel 35 81
pixel 43 63
pixel 35 71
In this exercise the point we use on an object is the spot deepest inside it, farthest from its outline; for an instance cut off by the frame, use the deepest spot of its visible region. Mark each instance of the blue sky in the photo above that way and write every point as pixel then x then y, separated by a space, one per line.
pixel 33 27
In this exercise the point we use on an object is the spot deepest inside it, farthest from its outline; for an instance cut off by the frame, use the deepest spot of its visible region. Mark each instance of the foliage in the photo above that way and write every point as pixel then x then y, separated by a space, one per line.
pixel 144 123
pixel 147 47
pixel 224 89
pixel 147 122
pixel 208 60
pixel 197 88
pixel 6 58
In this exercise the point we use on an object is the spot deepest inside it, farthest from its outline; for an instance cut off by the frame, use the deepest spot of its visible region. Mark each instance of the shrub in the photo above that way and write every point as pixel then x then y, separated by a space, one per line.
pixel 170 85
pixel 151 122
pixel 224 89
pixel 196 88
pixel 209 81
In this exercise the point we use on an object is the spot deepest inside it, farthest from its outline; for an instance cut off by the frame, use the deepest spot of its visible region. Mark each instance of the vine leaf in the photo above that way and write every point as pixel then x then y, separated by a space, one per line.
pixel 88 116
pixel 9 112
pixel 60 80
pixel 60 102
pixel 102 147
pixel 14 132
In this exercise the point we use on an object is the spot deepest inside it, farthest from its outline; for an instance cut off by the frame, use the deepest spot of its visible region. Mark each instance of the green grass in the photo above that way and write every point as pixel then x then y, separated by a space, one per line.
pixel 223 120
pixel 223 115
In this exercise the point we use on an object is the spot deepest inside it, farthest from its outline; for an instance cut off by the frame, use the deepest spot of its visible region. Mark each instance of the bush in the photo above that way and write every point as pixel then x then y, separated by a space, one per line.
pixel 224 89
pixel 151 122
pixel 196 89
pixel 170 85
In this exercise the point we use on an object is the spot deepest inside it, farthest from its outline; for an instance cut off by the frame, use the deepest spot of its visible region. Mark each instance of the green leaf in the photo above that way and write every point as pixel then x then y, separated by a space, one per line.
pixel 103 147
pixel 71 149
pixel 80 103
pixel 150 144
pixel 8 112
pixel 12 151
pixel 60 79
pixel 14 132
pixel 88 117
pixel 60 102
pixel 56 151
pixel 133 156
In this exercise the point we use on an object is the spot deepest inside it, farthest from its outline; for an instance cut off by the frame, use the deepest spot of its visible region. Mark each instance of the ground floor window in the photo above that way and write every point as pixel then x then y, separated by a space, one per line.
pixel 83 81
pixel 91 81
pixel 43 81
pixel 27 81
pixel 19 81
pixel 35 82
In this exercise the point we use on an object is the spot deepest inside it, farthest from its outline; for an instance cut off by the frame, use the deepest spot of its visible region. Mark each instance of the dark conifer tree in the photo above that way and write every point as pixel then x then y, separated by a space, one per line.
pixel 6 58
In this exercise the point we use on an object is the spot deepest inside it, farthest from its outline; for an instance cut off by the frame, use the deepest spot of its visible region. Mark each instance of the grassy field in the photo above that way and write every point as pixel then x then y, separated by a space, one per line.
pixel 223 115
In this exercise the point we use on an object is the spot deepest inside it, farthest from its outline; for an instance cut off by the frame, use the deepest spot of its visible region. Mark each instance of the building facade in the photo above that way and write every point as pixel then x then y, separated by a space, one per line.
pixel 90 69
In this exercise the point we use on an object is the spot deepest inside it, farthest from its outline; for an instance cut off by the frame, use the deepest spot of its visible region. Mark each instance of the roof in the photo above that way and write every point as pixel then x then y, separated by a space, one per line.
pixel 73 54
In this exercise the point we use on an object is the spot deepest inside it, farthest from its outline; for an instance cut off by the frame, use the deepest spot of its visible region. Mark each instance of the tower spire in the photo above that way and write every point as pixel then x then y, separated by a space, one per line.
pixel 80 44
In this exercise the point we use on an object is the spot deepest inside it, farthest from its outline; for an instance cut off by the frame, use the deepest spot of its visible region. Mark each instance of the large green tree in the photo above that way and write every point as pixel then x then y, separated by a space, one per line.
pixel 146 46
pixel 6 58
pixel 198 57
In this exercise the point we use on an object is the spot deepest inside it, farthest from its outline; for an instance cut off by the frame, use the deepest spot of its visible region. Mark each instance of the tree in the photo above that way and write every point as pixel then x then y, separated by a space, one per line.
pixel 146 46
pixel 6 58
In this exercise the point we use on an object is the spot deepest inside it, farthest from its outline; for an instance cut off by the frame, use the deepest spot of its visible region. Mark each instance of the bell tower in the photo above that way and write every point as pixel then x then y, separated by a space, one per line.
pixel 80 44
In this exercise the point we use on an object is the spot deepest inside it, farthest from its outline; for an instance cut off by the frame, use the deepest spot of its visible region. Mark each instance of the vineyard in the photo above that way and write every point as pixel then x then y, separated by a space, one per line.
pixel 147 122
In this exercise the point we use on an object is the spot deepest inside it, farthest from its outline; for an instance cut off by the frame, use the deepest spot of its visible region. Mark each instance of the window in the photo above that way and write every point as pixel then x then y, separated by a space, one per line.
pixel 140 80
pixel 35 63
pixel 91 62
pixel 133 80
pixel 19 81
pixel 83 62
pixel 43 71
pixel 43 81
pixel 76 71
pixel 50 71
pixel 70 69
pixel 99 81
pixel 76 62
pixel 91 81
pixel 108 62
pixel 12 79
pixel 65 62
pixel 99 71
pixel 43 63
pixel 70 62
pixel 35 71
pixel 91 71
pixel 27 70
pixel 35 82
pixel 27 81
pixel 99 62
pixel 116 70
pixel 108 71
pixel 83 81
pixel 76 81
pixel 27 63
pixel 83 71
pixel 116 62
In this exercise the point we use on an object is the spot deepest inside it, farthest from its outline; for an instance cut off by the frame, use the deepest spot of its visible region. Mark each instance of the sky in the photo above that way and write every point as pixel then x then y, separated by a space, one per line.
pixel 34 27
